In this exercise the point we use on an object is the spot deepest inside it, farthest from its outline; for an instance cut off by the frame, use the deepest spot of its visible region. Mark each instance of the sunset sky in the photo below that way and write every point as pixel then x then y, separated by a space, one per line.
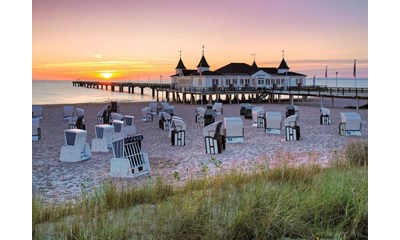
pixel 128 39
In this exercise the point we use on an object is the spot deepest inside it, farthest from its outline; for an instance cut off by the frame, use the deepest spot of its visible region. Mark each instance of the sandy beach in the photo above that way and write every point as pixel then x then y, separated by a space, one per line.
pixel 56 181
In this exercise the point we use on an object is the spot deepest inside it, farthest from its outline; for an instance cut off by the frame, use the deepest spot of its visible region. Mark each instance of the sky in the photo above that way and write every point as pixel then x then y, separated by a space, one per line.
pixel 141 40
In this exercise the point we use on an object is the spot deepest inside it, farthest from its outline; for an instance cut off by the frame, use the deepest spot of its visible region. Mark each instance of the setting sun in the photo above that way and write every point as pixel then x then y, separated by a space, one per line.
pixel 106 75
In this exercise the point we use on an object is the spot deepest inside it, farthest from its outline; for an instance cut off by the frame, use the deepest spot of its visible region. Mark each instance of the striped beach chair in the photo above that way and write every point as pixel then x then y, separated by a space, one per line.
pixel 128 159
pixel 325 115
pixel 291 128
pixel 213 139
pixel 178 132
pixel 273 122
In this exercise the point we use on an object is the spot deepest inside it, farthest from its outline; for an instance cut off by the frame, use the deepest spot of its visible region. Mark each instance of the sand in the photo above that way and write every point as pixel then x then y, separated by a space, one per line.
pixel 55 181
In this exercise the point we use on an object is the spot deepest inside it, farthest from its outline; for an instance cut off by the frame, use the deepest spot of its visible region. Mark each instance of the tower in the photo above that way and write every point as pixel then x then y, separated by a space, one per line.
pixel 283 67
pixel 203 65
pixel 180 67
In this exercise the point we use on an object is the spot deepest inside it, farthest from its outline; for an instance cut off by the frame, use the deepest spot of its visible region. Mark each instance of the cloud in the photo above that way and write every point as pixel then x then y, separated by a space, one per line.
pixel 98 56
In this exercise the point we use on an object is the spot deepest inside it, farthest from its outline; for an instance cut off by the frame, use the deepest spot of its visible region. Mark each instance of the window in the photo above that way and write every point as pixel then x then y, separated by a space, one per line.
pixel 226 81
pixel 241 81
pixel 268 81
pixel 234 81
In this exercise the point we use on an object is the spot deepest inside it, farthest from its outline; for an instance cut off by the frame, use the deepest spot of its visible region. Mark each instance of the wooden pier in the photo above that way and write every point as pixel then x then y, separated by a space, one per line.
pixel 232 95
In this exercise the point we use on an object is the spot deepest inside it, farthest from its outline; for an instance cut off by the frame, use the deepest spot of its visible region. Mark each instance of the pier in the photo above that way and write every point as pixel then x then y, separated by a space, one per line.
pixel 192 95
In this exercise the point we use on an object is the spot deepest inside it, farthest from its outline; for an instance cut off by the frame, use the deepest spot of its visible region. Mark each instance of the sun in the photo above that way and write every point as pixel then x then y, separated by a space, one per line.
pixel 106 75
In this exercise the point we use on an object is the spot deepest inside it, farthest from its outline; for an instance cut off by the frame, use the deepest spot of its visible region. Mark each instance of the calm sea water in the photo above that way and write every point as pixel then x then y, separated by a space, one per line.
pixel 62 92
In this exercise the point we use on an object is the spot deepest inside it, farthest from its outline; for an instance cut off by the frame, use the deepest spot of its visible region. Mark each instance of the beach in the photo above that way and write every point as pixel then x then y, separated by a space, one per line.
pixel 56 181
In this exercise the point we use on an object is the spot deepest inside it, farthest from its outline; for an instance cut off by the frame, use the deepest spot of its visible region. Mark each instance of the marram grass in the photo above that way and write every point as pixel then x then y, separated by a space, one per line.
pixel 307 202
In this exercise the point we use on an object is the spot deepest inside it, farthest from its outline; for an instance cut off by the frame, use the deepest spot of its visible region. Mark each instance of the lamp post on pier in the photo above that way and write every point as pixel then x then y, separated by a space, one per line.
pixel 336 83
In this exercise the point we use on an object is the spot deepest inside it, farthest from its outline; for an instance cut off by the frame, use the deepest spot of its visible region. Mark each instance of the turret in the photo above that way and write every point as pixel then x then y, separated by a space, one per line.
pixel 203 65
pixel 180 67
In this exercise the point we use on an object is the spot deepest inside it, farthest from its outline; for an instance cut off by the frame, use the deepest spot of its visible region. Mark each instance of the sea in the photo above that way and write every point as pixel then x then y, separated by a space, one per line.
pixel 63 92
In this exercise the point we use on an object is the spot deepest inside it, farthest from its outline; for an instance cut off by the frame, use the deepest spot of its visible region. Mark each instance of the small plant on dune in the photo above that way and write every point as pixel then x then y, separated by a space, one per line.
pixel 356 153
pixel 217 162
pixel 204 167
pixel 177 176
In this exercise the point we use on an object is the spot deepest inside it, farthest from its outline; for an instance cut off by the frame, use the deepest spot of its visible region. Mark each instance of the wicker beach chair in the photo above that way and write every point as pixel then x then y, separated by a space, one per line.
pixel 199 118
pixel 273 122
pixel 350 124
pixel 128 159
pixel 178 132
pixel 291 129
pixel 36 131
pixel 233 130
pixel 104 135
pixel 147 116
pixel 37 111
pixel 325 116
pixel 258 116
pixel 213 139
pixel 68 112
pixel 217 107
pixel 75 148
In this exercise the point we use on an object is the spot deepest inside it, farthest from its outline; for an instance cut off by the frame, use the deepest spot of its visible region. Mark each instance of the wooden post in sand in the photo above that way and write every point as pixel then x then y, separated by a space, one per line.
pixel 358 102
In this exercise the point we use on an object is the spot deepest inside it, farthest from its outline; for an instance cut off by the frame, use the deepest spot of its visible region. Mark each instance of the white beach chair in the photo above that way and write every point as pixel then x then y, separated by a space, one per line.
pixel 291 129
pixel 128 159
pixel 171 123
pixel 69 112
pixel 213 139
pixel 37 111
pixel 169 109
pixel 102 115
pixel 36 131
pixel 258 114
pixel 243 108
pixel 325 115
pixel 165 120
pixel 122 131
pixel 116 116
pixel 292 110
pixel 209 115
pixel 147 116
pixel 217 107
pixel 104 136
pixel 154 108
pixel 178 133
pixel 248 112
pixel 75 149
pixel 233 130
pixel 129 127
pixel 350 124
pixel 199 118
pixel 273 122
pixel 77 121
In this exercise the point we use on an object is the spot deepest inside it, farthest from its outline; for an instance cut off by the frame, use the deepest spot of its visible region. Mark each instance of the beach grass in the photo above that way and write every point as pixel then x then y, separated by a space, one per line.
pixel 283 202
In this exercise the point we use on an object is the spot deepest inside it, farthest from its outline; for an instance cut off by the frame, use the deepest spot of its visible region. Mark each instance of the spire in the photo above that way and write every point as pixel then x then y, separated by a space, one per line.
pixel 254 65
pixel 283 67
pixel 180 63
pixel 203 62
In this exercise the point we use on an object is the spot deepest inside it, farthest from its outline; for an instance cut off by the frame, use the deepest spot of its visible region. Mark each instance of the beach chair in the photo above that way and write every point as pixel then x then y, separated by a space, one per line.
pixel 104 136
pixel 217 107
pixel 209 116
pixel 77 121
pixel 114 107
pixel 169 109
pixel 121 130
pixel 165 120
pixel 154 108
pixel 213 139
pixel 116 116
pixel 292 110
pixel 75 148
pixel 102 115
pixel 324 117
pixel 147 116
pixel 291 129
pixel 350 124
pixel 37 111
pixel 233 130
pixel 258 116
pixel 243 108
pixel 36 132
pixel 128 159
pixel 249 111
pixel 199 118
pixel 68 112
pixel 178 132
pixel 273 122
pixel 129 127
